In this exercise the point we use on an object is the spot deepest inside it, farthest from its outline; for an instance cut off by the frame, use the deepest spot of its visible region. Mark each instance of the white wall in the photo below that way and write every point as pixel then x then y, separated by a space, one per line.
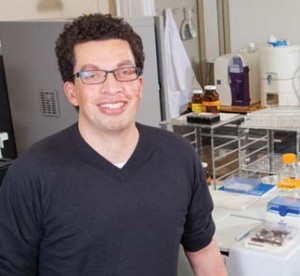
pixel 256 20
pixel 20 9
pixel 49 9
pixel 211 29
pixel 55 9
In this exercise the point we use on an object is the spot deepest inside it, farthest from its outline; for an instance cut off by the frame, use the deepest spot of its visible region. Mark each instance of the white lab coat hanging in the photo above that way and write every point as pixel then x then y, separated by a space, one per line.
pixel 181 78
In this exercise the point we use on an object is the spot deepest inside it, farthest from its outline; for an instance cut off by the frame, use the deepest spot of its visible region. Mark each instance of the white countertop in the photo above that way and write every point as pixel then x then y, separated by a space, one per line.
pixel 236 215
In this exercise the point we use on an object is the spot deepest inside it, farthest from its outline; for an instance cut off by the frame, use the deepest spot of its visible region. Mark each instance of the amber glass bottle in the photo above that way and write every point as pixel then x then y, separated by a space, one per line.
pixel 197 100
pixel 210 101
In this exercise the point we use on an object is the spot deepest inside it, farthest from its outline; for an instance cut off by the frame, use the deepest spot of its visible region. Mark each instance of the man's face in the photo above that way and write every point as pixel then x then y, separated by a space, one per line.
pixel 112 105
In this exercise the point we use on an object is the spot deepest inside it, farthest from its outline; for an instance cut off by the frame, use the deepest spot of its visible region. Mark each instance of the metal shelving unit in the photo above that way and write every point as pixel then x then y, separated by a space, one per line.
pixel 249 144
pixel 265 135
pixel 217 144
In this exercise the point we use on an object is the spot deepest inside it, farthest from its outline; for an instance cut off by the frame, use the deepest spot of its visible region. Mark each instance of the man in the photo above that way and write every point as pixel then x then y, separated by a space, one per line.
pixel 106 196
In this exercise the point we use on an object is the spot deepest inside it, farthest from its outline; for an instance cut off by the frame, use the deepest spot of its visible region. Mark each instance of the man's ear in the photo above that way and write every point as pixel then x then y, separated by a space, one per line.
pixel 71 93
pixel 141 80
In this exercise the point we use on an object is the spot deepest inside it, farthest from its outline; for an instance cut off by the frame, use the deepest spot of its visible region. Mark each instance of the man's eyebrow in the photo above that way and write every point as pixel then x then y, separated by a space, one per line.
pixel 89 66
pixel 126 63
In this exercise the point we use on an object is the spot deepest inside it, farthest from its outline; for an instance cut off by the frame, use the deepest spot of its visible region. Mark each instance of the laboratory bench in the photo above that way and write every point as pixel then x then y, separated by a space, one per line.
pixel 237 216
pixel 241 109
pixel 249 144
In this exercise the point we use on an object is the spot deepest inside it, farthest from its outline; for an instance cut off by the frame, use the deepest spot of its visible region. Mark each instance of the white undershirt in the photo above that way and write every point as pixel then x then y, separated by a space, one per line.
pixel 120 165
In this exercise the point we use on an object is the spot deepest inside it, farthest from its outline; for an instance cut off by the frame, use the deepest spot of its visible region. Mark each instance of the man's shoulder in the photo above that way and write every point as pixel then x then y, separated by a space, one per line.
pixel 54 142
pixel 47 149
pixel 164 138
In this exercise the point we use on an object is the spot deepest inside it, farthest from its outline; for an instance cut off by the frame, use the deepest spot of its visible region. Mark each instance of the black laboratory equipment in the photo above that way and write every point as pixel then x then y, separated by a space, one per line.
pixel 9 151
pixel 4 164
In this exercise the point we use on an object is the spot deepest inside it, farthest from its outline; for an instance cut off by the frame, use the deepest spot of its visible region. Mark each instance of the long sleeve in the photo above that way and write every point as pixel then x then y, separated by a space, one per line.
pixel 19 225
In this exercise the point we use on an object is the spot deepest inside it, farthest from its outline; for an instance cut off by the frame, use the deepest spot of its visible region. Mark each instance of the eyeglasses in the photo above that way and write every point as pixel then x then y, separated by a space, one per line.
pixel 99 76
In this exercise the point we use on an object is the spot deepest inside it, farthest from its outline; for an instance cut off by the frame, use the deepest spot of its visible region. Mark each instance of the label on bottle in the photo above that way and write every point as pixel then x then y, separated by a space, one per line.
pixel 214 103
pixel 196 107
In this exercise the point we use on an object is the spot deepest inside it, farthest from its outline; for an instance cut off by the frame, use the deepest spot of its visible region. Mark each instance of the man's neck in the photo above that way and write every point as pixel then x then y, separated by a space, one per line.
pixel 116 147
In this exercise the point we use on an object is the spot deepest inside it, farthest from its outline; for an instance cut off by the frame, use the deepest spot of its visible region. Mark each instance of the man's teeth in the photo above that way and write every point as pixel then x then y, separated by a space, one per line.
pixel 113 105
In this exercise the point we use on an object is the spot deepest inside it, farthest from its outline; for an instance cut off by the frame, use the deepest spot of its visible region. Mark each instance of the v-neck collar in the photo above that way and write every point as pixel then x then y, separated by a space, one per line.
pixel 136 160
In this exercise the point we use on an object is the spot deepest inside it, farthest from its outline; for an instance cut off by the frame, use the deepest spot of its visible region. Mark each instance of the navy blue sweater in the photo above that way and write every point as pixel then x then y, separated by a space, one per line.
pixel 67 211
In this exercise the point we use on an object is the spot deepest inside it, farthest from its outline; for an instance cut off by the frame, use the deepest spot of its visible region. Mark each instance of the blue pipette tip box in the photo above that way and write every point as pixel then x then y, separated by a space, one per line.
pixel 284 205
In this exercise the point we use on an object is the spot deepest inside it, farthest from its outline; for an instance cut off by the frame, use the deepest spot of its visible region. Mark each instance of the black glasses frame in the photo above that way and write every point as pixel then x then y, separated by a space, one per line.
pixel 79 74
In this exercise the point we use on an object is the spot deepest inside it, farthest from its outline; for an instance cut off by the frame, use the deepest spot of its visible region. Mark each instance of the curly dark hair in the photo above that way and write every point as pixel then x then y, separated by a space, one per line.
pixel 94 27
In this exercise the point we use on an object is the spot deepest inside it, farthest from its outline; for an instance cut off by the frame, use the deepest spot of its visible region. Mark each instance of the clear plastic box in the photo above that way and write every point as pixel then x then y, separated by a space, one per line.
pixel 274 117
pixel 241 184
pixel 272 237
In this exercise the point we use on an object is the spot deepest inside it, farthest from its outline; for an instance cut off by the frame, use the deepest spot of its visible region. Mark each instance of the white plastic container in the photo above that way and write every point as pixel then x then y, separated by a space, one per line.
pixel 278 72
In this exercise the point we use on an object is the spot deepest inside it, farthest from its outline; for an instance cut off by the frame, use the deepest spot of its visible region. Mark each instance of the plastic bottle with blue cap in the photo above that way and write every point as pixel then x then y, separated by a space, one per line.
pixel 277 43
